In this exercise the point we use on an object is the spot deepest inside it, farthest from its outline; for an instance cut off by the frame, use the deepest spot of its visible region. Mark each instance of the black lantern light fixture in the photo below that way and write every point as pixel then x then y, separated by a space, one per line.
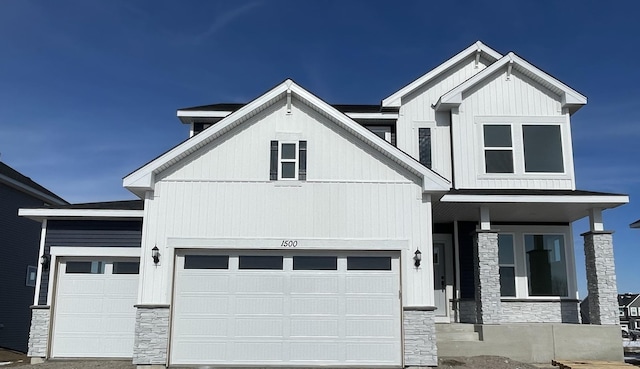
pixel 155 254
pixel 417 258
pixel 45 261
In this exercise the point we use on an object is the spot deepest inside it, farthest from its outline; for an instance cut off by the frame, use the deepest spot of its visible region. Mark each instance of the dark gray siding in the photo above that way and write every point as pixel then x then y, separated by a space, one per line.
pixel 89 233
pixel 19 244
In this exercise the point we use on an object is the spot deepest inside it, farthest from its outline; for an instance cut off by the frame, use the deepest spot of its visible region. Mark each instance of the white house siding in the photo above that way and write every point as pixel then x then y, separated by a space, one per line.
pixel 416 110
pixel 519 96
pixel 352 193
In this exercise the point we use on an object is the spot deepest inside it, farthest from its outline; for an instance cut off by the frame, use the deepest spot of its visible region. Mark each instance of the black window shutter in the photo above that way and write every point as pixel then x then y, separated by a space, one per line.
pixel 302 164
pixel 273 175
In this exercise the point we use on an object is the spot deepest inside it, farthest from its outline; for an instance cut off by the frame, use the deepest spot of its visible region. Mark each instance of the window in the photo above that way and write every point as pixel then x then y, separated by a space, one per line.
pixel 288 160
pixel 260 262
pixel 32 272
pixel 85 267
pixel 315 263
pixel 546 264
pixel 633 311
pixel 507 265
pixel 542 149
pixel 498 148
pixel 368 263
pixel 384 132
pixel 126 267
pixel 424 146
pixel 621 311
pixel 206 262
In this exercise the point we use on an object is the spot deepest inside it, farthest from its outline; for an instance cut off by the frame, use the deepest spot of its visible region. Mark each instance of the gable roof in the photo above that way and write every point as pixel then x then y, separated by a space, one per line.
pixel 17 180
pixel 143 178
pixel 626 299
pixel 571 98
pixel 395 100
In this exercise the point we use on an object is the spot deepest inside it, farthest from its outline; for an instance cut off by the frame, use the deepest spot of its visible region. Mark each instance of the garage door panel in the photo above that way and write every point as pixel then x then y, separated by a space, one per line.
pixel 259 327
pixel 94 314
pixel 314 306
pixel 314 284
pixel 287 316
pixel 315 328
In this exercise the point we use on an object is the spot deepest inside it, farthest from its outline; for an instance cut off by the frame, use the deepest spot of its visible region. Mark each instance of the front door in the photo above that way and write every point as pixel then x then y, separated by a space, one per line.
pixel 439 278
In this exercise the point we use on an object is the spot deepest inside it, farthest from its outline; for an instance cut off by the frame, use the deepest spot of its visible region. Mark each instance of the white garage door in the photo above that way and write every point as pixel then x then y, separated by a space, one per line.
pixel 265 308
pixel 94 313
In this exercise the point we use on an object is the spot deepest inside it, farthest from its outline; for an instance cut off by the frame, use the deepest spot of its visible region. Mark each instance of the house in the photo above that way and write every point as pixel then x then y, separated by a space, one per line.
pixel 629 310
pixel 19 245
pixel 291 232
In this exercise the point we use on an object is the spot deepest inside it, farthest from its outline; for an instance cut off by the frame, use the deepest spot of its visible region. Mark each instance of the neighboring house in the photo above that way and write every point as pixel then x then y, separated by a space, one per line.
pixel 291 232
pixel 629 310
pixel 19 244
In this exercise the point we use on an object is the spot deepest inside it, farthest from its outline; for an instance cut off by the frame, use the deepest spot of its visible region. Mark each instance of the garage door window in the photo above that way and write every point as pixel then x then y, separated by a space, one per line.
pixel 206 262
pixel 260 262
pixel 368 263
pixel 126 267
pixel 315 263
pixel 85 267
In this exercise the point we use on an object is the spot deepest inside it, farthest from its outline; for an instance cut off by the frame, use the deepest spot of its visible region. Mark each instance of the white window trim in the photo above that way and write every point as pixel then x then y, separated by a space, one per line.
pixel 295 160
pixel 633 311
pixel 522 272
pixel 517 143
pixel 498 148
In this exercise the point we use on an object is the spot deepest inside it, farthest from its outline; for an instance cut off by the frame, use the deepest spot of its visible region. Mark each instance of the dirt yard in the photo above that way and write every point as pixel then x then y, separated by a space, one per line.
pixel 477 362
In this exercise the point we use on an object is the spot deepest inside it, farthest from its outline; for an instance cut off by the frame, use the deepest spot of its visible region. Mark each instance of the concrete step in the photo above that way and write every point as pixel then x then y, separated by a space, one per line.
pixel 456 332
pixel 455 327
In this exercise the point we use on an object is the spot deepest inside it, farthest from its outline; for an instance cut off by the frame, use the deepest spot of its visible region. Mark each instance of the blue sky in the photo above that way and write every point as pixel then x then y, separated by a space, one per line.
pixel 89 89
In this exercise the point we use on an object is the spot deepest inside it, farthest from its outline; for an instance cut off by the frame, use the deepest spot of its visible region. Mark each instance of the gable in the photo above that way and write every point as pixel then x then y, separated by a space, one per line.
pixel 143 180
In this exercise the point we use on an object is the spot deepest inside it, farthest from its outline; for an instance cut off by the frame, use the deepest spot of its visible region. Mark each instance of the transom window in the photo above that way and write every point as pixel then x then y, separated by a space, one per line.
pixel 522 145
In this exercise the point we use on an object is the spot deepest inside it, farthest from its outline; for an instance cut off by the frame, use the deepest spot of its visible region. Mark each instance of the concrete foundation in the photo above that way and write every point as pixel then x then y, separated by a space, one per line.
pixel 540 342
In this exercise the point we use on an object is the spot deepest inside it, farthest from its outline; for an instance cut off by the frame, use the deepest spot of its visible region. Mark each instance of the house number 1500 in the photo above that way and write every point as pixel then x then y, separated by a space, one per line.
pixel 289 243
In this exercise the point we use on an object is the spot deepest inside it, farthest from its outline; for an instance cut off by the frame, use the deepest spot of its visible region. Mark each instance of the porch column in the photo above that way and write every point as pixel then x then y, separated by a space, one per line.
pixel 487 276
pixel 601 272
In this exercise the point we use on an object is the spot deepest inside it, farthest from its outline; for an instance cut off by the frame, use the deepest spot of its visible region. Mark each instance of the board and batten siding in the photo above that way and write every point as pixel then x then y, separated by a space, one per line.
pixel 518 98
pixel 352 194
pixel 416 111
pixel 88 233
pixel 19 244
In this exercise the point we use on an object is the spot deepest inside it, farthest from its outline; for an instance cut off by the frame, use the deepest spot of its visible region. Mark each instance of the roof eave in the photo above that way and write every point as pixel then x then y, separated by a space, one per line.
pixel 43 213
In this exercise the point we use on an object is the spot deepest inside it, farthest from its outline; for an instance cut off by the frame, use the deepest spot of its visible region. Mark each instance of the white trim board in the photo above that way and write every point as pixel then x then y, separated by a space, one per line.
pixel 39 214
pixel 566 199
pixel 64 251
pixel 276 243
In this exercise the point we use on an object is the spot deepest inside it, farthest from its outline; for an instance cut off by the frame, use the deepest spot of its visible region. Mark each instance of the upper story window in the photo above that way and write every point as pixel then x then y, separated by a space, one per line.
pixel 520 145
pixel 424 146
pixel 288 160
pixel 498 148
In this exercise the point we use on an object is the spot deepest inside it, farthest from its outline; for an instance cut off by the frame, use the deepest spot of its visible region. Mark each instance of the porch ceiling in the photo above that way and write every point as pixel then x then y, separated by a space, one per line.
pixel 544 206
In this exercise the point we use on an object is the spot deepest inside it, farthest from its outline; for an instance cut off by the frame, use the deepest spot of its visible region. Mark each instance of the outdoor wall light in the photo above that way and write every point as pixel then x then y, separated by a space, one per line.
pixel 45 261
pixel 417 258
pixel 155 254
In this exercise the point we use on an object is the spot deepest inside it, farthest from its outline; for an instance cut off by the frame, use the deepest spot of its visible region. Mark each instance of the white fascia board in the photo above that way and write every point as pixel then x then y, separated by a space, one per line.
pixel 62 251
pixel 30 190
pixel 203 114
pixel 614 200
pixel 395 99
pixel 43 213
pixel 430 180
pixel 569 96
pixel 392 116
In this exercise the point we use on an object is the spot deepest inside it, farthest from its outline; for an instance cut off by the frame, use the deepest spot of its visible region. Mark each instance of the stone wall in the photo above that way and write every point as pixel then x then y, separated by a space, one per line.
pixel 539 312
pixel 419 338
pixel 601 278
pixel 487 278
pixel 39 333
pixel 151 335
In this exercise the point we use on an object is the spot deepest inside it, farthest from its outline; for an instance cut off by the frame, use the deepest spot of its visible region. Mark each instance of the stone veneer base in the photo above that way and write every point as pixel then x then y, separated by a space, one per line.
pixel 39 332
pixel 151 336
pixel 419 337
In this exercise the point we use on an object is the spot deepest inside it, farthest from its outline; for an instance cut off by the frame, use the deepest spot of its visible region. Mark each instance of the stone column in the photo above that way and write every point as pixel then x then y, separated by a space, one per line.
pixel 487 277
pixel 601 277
pixel 419 337
pixel 39 333
pixel 151 336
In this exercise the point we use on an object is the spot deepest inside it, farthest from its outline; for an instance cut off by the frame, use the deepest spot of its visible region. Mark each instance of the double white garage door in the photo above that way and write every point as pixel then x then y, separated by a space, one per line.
pixel 242 308
pixel 269 308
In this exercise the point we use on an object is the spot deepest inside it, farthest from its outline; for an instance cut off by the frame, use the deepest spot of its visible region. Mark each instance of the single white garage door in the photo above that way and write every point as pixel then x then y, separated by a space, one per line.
pixel 270 308
pixel 93 308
